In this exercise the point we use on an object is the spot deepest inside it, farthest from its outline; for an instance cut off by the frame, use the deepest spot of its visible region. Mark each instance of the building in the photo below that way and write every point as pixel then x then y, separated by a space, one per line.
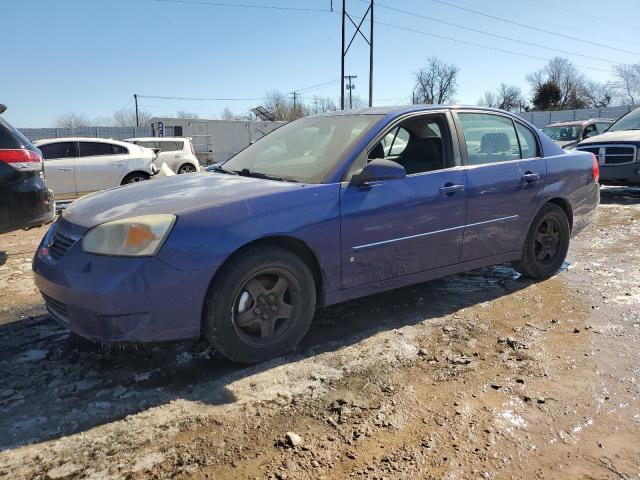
pixel 213 140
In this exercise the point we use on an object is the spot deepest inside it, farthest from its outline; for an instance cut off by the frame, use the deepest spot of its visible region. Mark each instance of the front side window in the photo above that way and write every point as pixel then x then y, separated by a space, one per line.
pixel 119 150
pixel 93 149
pixel 590 129
pixel 489 138
pixel 420 144
pixel 305 150
pixel 147 144
pixel 56 150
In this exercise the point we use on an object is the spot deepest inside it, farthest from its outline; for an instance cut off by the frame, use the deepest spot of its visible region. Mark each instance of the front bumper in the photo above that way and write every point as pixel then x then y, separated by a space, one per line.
pixel 121 300
pixel 620 174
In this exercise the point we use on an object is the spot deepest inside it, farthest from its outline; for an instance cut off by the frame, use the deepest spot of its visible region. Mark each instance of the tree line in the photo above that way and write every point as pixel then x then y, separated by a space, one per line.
pixel 558 85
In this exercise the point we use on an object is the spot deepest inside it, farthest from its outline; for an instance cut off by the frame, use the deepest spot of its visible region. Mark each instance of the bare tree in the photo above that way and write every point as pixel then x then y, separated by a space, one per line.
pixel 185 114
pixel 72 120
pixel 126 117
pixel 436 83
pixel 506 97
pixel 599 94
pixel 628 83
pixel 322 104
pixel 564 75
pixel 278 105
pixel 227 114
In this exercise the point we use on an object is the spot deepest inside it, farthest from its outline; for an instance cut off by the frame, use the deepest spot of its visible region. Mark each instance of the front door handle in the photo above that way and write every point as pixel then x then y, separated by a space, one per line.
pixel 531 177
pixel 449 189
pixel 117 164
pixel 64 169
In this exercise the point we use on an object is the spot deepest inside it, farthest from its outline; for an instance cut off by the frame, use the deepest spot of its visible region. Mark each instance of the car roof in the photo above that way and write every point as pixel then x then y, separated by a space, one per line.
pixel 401 109
pixel 81 139
pixel 155 139
pixel 581 122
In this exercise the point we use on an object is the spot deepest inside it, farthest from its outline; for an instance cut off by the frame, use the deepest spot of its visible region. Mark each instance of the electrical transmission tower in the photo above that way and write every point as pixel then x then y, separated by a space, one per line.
pixel 343 52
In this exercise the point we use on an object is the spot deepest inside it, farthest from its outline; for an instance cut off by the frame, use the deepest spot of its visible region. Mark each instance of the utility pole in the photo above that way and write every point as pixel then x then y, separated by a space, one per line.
pixel 135 99
pixel 350 86
pixel 343 52
pixel 295 103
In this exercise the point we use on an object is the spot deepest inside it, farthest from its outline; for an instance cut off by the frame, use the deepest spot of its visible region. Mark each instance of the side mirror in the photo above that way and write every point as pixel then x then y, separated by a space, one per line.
pixel 376 170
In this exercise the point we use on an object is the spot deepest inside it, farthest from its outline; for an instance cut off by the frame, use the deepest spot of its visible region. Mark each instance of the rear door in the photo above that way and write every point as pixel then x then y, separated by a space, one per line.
pixel 100 165
pixel 505 180
pixel 59 168
pixel 398 227
pixel 171 153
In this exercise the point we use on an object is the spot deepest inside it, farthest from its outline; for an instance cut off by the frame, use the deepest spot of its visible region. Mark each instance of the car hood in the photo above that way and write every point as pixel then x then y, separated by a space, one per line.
pixel 609 137
pixel 179 194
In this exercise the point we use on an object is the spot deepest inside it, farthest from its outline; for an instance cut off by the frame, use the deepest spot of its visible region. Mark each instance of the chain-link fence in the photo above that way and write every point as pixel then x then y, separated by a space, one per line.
pixel 116 133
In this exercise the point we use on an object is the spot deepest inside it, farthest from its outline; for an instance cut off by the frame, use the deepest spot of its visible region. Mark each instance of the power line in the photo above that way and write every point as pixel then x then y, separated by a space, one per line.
pixel 503 37
pixel 523 25
pixel 465 42
pixel 244 5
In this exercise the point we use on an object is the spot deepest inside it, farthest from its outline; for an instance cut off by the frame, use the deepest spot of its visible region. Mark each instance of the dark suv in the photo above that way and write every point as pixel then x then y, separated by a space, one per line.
pixel 25 200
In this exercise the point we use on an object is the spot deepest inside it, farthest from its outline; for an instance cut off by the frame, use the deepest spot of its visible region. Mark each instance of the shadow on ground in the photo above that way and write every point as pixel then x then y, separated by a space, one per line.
pixel 55 384
pixel 3 258
pixel 620 195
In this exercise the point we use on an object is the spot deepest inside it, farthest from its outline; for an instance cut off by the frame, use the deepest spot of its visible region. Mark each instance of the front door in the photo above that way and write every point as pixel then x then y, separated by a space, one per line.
pixel 505 179
pixel 398 227
pixel 59 168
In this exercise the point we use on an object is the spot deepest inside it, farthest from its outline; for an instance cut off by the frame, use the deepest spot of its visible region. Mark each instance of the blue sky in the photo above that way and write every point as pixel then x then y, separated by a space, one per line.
pixel 90 56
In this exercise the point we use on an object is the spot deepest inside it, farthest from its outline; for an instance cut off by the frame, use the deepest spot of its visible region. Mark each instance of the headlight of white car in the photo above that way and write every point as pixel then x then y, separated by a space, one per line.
pixel 129 237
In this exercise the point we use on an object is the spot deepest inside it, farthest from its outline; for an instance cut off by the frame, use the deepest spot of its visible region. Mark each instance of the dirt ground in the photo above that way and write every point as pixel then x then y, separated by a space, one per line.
pixel 481 375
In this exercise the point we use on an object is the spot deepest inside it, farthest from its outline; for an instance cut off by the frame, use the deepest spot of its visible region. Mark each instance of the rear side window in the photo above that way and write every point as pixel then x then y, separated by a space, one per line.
pixel 148 144
pixel 56 150
pixel 170 146
pixel 119 150
pixel 93 149
pixel 489 138
pixel 528 143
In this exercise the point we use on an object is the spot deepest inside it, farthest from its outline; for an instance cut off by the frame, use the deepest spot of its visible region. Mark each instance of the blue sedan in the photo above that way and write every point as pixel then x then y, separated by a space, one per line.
pixel 323 210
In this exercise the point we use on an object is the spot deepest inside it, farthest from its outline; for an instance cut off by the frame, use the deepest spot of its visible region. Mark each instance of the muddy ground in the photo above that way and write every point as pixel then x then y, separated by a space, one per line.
pixel 481 375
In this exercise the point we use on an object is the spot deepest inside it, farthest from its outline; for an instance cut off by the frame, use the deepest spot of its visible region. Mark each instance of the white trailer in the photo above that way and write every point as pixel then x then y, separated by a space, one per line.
pixel 213 140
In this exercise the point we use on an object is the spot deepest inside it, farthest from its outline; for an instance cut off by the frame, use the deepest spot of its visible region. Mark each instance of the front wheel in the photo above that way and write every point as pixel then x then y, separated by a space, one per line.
pixel 546 245
pixel 260 305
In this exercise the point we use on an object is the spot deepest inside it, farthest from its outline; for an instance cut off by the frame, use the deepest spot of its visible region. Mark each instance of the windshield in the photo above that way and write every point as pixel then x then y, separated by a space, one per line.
pixel 567 133
pixel 631 121
pixel 305 150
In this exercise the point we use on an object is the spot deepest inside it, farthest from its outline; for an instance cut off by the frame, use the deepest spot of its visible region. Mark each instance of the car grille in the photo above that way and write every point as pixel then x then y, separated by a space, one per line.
pixel 60 244
pixel 56 309
pixel 613 154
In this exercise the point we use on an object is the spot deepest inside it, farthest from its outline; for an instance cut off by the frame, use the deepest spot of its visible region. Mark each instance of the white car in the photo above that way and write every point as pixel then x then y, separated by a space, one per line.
pixel 177 152
pixel 76 166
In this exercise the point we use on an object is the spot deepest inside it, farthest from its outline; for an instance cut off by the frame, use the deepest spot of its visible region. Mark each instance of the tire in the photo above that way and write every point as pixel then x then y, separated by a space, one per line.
pixel 546 245
pixel 186 168
pixel 244 315
pixel 135 177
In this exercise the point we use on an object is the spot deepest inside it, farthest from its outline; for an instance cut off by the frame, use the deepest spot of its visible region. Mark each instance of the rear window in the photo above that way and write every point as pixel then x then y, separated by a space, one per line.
pixel 170 146
pixel 10 137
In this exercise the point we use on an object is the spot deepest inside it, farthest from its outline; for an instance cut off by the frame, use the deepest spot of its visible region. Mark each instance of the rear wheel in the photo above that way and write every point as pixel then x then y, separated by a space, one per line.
pixel 186 168
pixel 260 305
pixel 135 177
pixel 546 245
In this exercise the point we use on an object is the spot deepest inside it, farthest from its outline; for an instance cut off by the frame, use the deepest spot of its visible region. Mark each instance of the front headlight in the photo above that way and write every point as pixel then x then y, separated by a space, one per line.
pixel 129 237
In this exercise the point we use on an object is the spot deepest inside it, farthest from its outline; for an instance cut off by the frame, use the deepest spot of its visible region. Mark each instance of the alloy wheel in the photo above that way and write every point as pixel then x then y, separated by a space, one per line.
pixel 547 240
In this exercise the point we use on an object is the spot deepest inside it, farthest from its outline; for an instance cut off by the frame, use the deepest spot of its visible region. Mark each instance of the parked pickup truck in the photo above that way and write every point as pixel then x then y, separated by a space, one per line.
pixel 618 151
pixel 322 210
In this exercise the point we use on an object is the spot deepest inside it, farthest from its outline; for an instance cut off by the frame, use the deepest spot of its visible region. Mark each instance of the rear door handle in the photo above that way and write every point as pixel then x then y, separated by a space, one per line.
pixel 450 189
pixel 64 169
pixel 117 164
pixel 531 177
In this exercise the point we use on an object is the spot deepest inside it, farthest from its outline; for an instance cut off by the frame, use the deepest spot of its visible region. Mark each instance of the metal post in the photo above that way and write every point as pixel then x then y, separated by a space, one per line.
pixel 135 98
pixel 371 59
pixel 342 59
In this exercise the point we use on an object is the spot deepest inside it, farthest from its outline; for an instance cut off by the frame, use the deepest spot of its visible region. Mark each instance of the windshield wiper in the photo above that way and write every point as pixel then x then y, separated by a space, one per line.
pixel 245 172
pixel 217 168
